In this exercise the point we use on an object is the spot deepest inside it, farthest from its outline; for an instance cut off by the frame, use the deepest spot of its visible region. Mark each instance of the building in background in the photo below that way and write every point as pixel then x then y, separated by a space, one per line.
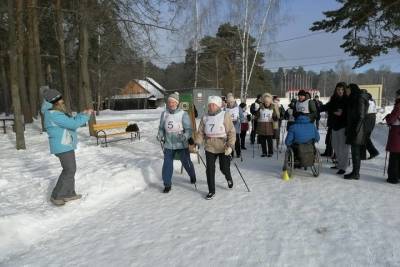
pixel 375 90
pixel 139 94
pixel 292 93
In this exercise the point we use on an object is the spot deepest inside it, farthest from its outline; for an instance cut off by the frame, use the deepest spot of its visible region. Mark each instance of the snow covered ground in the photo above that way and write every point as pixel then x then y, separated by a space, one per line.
pixel 125 220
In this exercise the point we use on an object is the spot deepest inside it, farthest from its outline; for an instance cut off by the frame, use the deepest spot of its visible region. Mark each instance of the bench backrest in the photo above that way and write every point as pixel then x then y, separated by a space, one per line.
pixel 110 125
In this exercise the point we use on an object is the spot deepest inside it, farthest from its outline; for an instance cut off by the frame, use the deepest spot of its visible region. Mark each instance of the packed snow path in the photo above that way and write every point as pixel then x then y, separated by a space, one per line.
pixel 123 218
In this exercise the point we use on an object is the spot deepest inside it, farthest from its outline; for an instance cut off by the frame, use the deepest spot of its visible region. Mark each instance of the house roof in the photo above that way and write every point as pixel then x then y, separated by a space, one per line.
pixel 150 89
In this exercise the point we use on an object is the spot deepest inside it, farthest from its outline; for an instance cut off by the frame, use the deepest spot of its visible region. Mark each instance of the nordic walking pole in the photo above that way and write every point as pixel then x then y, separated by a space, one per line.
pixel 384 167
pixel 200 157
pixel 241 176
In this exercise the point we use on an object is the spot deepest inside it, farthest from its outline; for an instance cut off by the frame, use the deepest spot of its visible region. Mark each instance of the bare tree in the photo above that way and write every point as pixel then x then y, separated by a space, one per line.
pixel 20 27
pixel 32 74
pixel 18 123
pixel 84 78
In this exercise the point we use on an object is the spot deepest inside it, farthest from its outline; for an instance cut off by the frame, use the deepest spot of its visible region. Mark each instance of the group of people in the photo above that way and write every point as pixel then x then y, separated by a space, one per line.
pixel 223 129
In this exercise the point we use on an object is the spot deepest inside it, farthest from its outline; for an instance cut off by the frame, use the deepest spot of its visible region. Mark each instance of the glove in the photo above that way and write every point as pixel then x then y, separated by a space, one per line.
pixel 228 151
pixel 160 138
pixel 191 141
pixel 249 117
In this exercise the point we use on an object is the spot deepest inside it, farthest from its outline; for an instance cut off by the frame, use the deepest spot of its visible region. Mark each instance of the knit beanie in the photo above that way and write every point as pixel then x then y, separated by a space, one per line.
pixel 52 95
pixel 302 92
pixel 174 96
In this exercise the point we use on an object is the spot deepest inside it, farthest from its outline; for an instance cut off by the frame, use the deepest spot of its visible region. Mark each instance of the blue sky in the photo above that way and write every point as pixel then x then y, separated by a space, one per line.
pixel 316 51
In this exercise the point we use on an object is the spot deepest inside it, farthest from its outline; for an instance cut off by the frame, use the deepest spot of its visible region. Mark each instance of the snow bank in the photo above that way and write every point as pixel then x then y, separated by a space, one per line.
pixel 104 176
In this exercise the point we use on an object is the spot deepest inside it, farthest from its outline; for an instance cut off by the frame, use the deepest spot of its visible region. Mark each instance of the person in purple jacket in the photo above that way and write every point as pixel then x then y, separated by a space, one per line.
pixel 393 143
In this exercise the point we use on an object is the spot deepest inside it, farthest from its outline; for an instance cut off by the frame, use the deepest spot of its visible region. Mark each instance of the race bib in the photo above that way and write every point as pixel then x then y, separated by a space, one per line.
pixel 173 122
pixel 214 125
pixel 265 115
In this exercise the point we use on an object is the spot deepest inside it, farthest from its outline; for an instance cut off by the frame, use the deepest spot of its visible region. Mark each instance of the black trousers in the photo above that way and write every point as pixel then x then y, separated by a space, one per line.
pixel 328 142
pixel 356 158
pixel 266 139
pixel 253 132
pixel 394 167
pixel 237 145
pixel 224 166
pixel 242 138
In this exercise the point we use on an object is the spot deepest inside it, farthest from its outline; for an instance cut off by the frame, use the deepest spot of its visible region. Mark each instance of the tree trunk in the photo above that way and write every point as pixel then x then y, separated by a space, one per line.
pixel 20 62
pixel 18 124
pixel 38 60
pixel 83 62
pixel 3 84
pixel 32 75
pixel 61 54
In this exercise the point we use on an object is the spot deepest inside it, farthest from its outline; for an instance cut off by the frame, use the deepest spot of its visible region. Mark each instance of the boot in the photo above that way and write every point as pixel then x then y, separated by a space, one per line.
pixel 77 196
pixel 57 202
pixel 352 176
pixel 230 183
pixel 167 189
pixel 193 180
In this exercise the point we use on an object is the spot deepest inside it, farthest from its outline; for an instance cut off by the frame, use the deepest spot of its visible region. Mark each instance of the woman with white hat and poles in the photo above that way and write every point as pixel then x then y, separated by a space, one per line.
pixel 218 134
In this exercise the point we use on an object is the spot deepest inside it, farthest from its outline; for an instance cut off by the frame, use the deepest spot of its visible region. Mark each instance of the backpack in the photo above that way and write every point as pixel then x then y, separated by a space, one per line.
pixel 132 128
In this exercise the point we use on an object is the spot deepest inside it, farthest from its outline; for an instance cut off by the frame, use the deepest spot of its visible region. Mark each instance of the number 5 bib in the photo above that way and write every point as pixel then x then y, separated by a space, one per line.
pixel 173 122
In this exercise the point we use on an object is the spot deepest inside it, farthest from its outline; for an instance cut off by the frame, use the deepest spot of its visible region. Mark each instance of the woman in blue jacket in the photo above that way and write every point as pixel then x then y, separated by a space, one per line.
pixel 61 128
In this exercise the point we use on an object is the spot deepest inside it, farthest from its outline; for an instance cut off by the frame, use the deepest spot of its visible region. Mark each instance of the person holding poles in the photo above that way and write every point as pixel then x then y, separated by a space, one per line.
pixel 218 134
pixel 174 132
pixel 266 116
pixel 61 128
pixel 237 117
pixel 393 143
pixel 245 126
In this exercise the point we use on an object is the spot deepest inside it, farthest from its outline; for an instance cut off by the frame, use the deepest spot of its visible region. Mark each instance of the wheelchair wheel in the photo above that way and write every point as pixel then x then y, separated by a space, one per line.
pixel 290 163
pixel 317 163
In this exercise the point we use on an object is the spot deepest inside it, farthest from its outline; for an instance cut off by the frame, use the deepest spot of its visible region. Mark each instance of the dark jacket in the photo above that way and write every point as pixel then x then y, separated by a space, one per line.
pixel 356 111
pixel 302 132
pixel 335 104
pixel 393 143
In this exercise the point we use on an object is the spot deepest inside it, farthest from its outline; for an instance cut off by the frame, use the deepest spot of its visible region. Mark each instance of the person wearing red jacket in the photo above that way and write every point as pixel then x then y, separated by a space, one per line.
pixel 393 143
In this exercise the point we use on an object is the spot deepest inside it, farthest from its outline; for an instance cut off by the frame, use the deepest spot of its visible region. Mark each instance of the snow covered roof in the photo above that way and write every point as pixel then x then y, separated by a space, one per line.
pixel 150 88
pixel 156 84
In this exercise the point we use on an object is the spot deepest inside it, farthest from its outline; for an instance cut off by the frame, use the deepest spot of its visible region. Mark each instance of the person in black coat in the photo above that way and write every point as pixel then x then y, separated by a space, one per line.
pixel 253 110
pixel 356 111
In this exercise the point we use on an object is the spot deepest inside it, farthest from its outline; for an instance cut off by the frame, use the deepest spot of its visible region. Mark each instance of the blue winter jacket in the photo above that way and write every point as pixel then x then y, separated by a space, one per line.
pixel 61 128
pixel 176 140
pixel 302 132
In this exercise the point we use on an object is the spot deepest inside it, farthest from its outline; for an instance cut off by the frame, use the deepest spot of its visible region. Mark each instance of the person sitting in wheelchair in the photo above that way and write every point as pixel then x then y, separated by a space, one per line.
pixel 301 137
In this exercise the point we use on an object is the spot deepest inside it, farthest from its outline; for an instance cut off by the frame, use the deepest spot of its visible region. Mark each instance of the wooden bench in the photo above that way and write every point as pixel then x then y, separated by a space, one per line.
pixel 111 129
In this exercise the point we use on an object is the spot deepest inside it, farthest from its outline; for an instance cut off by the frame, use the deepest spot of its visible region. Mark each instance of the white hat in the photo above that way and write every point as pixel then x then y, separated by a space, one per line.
pixel 215 100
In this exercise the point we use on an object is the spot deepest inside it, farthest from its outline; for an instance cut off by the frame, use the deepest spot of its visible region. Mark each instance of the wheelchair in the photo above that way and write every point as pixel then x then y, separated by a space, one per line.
pixel 303 156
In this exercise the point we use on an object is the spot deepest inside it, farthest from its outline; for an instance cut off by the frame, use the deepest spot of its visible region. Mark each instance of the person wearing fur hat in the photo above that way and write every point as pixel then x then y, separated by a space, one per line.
pixel 237 117
pixel 266 116
pixel 218 134
pixel 393 143
pixel 61 128
pixel 305 106
pixel 175 132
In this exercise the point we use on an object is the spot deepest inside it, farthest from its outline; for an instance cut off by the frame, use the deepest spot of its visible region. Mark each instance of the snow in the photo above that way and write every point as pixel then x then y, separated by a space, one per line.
pixel 123 219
